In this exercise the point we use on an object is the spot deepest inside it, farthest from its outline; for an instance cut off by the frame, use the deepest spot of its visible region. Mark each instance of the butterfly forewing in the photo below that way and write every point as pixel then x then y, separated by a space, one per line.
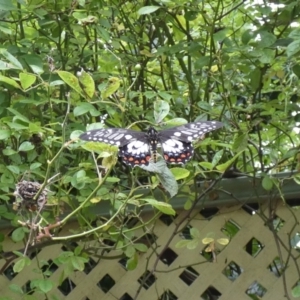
pixel 191 131
pixel 114 136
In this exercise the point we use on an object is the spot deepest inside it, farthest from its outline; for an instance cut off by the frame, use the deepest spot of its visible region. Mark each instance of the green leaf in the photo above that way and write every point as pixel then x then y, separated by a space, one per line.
pixel 206 164
pixel 217 158
pixel 18 234
pixel 83 108
pixel 112 86
pixel 14 287
pixel 255 77
pixel 180 173
pixel 35 165
pixel 71 80
pixel 267 39
pixel 240 142
pixel 35 63
pixel 192 244
pixel 130 251
pixel 26 146
pixel 112 179
pixel 45 285
pixel 19 265
pixel 296 70
pixel 148 10
pixel 202 62
pixel 9 152
pixel 4 134
pixel 166 208
pixel 165 95
pixel 11 59
pixel 175 122
pixel 14 169
pixel 195 232
pixel 78 262
pixel 7 5
pixel 161 110
pixel 27 80
pixel 18 116
pixel 182 244
pixel 9 81
pixel 296 291
pixel 141 247
pixel 267 183
pixel 293 48
pixel 225 166
pixel 132 262
pixel 88 83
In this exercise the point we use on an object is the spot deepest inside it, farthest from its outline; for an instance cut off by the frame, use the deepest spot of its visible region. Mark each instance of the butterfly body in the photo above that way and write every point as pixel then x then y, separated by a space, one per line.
pixel 137 148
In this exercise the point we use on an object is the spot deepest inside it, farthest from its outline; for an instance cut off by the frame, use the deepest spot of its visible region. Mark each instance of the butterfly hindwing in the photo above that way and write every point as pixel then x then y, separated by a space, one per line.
pixel 177 152
pixel 135 153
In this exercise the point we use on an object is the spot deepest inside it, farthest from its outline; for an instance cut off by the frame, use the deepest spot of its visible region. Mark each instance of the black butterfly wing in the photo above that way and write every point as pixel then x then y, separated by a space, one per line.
pixel 133 145
pixel 190 131
pixel 177 141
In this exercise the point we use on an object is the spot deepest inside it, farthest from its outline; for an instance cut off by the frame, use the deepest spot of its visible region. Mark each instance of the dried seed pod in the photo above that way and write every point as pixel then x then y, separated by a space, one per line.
pixel 25 193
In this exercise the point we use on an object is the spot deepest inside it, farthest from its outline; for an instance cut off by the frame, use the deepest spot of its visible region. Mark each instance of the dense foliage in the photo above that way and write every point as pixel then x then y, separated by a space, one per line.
pixel 68 64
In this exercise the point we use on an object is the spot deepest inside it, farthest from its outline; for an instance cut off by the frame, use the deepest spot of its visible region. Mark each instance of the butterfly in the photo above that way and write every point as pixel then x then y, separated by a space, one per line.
pixel 137 147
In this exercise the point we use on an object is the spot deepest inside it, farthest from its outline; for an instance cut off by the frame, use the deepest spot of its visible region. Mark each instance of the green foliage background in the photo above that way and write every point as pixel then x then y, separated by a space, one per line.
pixel 65 64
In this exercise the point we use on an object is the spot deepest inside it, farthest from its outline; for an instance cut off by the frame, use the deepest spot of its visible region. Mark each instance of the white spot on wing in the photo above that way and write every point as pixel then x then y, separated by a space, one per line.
pixel 172 146
pixel 137 148
pixel 128 136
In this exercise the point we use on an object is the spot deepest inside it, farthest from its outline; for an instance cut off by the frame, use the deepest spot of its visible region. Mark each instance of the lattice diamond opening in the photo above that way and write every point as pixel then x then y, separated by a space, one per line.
pixel 168 295
pixel 130 221
pixel 254 247
pixel 123 262
pixel 106 283
pixel 49 267
pixel 167 219
pixel 232 271
pixel 256 291
pixel 209 212
pixel 251 208
pixel 230 228
pixel 295 241
pixel 33 254
pixel 168 256
pixel 210 255
pixel 211 293
pixel 276 267
pixel 71 246
pixel 89 266
pixel 185 233
pixel 27 289
pixel 277 223
pixel 109 244
pixel 189 275
pixel 126 297
pixel 147 279
pixel 148 239
pixel 9 272
pixel 67 286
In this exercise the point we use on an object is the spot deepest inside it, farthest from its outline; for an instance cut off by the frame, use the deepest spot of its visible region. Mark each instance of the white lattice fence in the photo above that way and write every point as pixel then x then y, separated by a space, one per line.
pixel 182 273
